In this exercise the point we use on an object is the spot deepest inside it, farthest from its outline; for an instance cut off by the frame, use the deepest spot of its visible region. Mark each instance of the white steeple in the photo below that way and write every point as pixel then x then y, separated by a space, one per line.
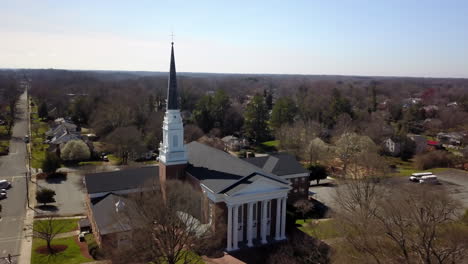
pixel 172 149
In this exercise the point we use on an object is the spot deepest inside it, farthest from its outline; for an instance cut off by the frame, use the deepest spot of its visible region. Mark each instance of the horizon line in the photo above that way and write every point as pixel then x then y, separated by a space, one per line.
pixel 238 73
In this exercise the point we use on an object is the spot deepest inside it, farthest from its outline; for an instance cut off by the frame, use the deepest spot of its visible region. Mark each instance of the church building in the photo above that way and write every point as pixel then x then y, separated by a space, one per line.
pixel 251 194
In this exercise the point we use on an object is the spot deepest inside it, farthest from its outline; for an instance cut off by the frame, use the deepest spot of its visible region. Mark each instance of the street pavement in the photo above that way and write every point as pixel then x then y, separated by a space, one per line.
pixel 13 169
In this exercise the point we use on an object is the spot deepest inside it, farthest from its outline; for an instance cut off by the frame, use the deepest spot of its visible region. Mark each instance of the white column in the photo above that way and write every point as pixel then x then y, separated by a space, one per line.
pixel 249 224
pixel 229 228
pixel 264 220
pixel 236 226
pixel 278 219
pixel 283 222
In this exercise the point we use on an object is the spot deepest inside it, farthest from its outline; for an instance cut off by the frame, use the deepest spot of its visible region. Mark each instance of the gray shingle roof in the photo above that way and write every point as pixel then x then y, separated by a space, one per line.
pixel 220 171
pixel 107 218
pixel 121 180
pixel 280 164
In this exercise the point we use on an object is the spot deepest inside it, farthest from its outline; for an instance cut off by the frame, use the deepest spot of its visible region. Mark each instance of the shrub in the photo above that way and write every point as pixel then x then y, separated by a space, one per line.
pixel 51 163
pixel 45 196
pixel 317 173
pixel 434 159
pixel 75 150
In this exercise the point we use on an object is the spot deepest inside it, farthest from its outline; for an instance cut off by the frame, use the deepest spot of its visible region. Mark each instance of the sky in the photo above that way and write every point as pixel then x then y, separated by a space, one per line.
pixel 348 37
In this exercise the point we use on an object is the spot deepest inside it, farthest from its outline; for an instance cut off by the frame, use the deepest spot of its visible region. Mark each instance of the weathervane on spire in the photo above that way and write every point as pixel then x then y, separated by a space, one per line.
pixel 172 38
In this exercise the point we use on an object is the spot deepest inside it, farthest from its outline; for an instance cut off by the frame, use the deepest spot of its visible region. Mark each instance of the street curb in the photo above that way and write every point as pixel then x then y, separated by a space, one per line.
pixel 26 242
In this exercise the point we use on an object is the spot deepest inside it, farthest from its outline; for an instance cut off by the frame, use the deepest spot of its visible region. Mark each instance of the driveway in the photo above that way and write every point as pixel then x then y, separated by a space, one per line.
pixel 13 169
pixel 324 192
pixel 456 182
pixel 69 196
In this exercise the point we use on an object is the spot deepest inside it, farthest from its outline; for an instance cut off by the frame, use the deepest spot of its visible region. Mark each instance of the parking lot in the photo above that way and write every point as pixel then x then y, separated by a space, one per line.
pixel 455 182
pixel 70 197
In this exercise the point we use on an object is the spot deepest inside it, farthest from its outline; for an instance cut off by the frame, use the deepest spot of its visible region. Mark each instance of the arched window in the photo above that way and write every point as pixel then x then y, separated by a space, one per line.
pixel 175 141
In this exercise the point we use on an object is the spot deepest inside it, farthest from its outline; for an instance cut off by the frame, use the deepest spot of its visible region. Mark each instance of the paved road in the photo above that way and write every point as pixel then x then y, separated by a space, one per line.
pixel 13 168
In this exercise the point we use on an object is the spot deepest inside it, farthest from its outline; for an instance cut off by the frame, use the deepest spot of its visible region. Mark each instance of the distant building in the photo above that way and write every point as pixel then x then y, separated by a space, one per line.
pixel 391 147
pixel 451 138
pixel 233 143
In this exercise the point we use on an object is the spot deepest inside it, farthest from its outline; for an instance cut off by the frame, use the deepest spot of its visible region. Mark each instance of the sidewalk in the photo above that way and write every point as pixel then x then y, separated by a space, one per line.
pixel 26 242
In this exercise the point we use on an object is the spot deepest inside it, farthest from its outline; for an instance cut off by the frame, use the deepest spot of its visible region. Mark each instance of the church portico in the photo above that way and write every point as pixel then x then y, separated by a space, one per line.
pixel 255 222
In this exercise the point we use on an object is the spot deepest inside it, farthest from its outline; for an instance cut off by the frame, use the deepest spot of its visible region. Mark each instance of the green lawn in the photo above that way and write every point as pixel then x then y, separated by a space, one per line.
pixel 39 128
pixel 72 255
pixel 320 230
pixel 3 130
pixel 273 143
pixel 68 224
pixel 406 168
pixel 189 255
pixel 4 140
pixel 114 159
pixel 93 163
pixel 4 145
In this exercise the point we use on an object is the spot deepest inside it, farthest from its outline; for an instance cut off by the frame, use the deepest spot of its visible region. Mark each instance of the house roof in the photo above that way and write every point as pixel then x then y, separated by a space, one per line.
pixel 220 171
pixel 64 138
pixel 121 180
pixel 110 216
pixel 226 139
pixel 280 164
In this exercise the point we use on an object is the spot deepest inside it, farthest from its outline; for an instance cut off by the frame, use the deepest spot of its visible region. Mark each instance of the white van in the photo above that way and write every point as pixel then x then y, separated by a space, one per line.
pixel 416 177
pixel 429 179
pixel 4 184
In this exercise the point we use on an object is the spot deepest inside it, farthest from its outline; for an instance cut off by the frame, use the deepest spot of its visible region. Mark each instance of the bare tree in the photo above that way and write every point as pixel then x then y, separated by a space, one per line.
pixel 395 224
pixel 47 230
pixel 125 141
pixel 168 230
pixel 303 206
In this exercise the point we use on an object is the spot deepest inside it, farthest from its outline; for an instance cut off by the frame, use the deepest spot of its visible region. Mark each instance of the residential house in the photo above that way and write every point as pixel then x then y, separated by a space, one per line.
pixel 451 138
pixel 233 143
pixel 391 147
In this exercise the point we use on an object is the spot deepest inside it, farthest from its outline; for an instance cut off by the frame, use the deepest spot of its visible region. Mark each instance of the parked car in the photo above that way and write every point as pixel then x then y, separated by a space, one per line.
pixel 429 179
pixel 26 139
pixel 105 158
pixel 4 184
pixel 416 177
pixel 424 177
pixel 3 195
pixel 81 236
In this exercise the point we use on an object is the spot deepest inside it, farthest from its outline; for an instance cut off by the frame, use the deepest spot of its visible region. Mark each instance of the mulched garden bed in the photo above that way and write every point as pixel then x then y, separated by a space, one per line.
pixel 55 248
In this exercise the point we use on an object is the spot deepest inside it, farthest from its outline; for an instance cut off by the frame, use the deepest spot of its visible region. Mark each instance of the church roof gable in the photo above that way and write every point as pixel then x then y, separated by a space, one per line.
pixel 220 171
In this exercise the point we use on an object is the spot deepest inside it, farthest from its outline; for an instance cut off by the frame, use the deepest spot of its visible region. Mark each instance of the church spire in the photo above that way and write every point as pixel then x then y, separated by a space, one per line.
pixel 172 100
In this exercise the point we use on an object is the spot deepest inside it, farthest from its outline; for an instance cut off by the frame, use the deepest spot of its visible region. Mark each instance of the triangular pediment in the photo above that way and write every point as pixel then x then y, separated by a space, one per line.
pixel 259 184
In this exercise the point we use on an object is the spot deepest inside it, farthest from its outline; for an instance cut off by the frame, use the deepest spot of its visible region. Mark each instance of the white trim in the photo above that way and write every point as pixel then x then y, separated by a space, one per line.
pixel 305 174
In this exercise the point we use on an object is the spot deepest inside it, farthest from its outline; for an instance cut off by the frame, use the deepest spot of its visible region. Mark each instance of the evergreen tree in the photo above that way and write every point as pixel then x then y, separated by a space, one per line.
pixel 202 113
pixel 268 99
pixel 45 196
pixel 256 117
pixel 283 112
pixel 51 163
pixel 42 111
